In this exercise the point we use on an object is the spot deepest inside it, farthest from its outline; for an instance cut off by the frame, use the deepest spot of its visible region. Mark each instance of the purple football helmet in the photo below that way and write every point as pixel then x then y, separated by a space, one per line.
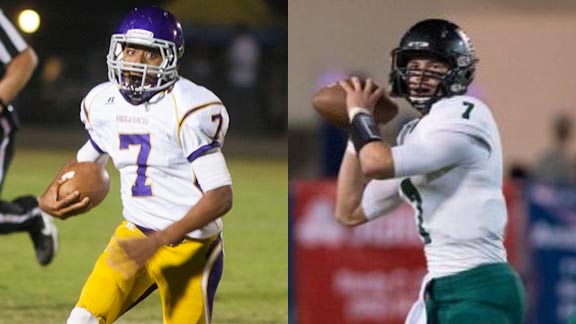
pixel 151 27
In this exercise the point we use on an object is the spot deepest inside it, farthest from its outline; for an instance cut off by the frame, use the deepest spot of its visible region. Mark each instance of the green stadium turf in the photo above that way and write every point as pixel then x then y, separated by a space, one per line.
pixel 254 286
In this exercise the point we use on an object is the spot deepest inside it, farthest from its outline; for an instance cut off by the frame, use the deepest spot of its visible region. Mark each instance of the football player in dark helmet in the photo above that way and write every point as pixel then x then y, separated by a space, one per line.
pixel 448 165
pixel 435 60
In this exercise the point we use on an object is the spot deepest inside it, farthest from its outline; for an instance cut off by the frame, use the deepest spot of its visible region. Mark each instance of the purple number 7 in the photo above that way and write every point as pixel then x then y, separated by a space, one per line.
pixel 139 188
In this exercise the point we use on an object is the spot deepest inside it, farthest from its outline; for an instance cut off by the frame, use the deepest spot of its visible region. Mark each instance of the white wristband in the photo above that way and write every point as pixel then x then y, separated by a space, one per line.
pixel 350 147
pixel 357 110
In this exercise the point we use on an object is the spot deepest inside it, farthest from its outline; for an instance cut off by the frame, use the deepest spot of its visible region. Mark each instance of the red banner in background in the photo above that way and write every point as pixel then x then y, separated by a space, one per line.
pixel 369 274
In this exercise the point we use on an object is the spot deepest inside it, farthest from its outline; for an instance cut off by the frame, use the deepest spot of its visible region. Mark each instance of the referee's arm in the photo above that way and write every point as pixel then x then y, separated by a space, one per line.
pixel 19 58
pixel 18 72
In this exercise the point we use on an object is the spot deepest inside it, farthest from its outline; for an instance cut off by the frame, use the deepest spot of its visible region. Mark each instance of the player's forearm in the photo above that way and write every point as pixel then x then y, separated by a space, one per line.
pixel 213 204
pixel 376 160
pixel 349 192
pixel 17 74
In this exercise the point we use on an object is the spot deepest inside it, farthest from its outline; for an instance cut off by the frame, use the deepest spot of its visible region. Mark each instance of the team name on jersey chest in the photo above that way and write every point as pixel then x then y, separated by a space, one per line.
pixel 132 119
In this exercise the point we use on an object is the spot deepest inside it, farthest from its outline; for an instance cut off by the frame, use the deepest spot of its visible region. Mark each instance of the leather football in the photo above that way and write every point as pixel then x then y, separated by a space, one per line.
pixel 330 103
pixel 89 178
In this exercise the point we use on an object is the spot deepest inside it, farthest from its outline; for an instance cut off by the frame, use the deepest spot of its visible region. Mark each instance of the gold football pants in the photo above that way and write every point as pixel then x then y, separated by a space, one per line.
pixel 186 276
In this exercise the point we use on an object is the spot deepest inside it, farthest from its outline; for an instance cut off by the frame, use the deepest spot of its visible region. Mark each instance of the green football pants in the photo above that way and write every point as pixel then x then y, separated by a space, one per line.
pixel 491 293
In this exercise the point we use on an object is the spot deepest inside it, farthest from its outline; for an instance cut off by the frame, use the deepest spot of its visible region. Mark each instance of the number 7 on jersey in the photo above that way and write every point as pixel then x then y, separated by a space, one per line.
pixel 140 188
pixel 469 107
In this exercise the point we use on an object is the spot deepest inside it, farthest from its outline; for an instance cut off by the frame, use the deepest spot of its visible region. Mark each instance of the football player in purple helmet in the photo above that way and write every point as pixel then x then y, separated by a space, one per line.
pixel 157 32
pixel 164 134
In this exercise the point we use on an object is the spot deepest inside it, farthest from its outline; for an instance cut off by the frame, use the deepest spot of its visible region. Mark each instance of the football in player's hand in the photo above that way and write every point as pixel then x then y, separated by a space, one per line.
pixel 330 103
pixel 89 178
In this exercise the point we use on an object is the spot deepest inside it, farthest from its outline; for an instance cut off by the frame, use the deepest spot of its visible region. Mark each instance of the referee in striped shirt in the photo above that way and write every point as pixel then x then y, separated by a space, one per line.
pixel 22 214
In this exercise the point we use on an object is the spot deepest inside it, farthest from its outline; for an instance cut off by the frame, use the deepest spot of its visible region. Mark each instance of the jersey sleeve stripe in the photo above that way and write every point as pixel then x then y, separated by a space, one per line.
pixel 101 151
pixel 190 112
pixel 201 150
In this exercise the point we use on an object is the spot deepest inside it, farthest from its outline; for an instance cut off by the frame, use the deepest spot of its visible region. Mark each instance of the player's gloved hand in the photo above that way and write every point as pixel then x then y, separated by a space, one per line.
pixel 64 207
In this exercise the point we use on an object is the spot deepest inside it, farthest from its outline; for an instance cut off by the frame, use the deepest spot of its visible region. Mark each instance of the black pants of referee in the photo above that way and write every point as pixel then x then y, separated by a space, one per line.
pixel 21 214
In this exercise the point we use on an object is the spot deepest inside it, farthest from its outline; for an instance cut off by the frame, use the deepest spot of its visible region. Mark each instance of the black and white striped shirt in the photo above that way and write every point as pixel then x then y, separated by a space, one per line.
pixel 11 42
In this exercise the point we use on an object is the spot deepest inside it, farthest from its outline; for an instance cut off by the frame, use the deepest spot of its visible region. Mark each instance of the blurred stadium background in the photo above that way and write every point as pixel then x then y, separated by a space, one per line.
pixel 371 274
pixel 238 49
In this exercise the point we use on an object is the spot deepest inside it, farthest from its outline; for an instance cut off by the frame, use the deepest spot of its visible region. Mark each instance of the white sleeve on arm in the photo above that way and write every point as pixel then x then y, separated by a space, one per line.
pixel 211 171
pixel 380 197
pixel 438 150
pixel 88 153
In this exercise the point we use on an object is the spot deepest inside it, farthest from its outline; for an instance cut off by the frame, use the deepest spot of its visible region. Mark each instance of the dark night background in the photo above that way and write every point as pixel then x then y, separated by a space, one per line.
pixel 73 40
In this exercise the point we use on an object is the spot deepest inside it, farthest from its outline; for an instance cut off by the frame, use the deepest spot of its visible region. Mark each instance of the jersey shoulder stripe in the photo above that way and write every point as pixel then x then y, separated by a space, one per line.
pixel 196 109
pixel 194 104
pixel 190 112
pixel 187 94
pixel 92 95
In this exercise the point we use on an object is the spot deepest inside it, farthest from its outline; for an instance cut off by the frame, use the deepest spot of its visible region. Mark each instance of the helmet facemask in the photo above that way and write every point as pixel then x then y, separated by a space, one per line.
pixel 421 97
pixel 139 82
pixel 454 82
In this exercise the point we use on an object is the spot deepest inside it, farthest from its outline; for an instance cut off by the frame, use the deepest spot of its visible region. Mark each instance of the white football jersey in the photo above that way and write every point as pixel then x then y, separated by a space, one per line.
pixel 153 144
pixel 460 209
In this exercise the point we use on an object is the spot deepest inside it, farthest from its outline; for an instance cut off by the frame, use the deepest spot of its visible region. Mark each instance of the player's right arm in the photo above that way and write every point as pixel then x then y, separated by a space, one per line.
pixel 18 72
pixel 71 205
pixel 350 186
pixel 358 202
